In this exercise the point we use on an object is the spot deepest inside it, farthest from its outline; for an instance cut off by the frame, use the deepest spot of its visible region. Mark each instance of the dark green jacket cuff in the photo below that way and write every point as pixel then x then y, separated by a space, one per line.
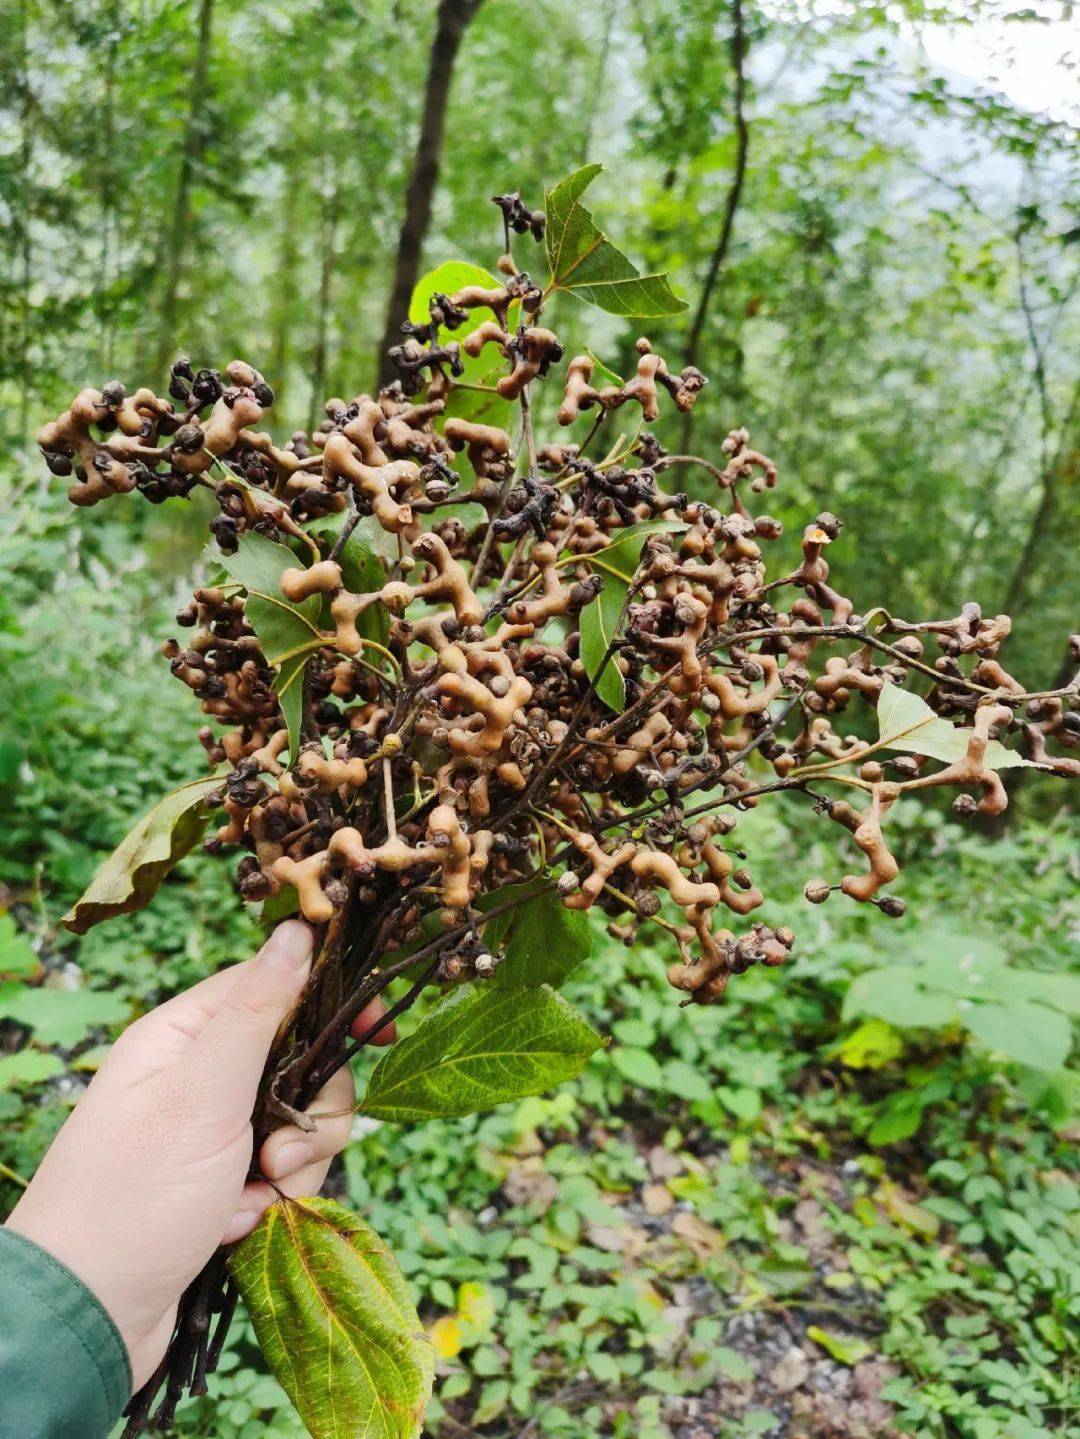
pixel 64 1370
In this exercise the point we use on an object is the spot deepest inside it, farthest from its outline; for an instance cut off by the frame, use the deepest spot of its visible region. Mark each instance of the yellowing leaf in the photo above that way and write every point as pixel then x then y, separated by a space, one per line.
pixel 129 878
pixel 476 1304
pixel 845 1349
pixel 910 1216
pixel 335 1321
pixel 445 1335
pixel 906 722
pixel 871 1046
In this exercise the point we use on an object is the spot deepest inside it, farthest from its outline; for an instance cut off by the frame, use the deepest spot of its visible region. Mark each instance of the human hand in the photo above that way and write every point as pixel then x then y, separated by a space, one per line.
pixel 150 1173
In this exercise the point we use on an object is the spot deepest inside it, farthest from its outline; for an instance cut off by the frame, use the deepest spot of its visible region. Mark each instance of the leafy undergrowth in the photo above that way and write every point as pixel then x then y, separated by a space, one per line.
pixel 837 1205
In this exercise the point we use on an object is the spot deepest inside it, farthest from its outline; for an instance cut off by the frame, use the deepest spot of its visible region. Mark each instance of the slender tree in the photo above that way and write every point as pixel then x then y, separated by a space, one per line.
pixel 734 194
pixel 177 233
pixel 450 26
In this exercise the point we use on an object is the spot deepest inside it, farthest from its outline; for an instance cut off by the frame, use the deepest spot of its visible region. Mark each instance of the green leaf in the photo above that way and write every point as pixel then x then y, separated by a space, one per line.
pixel 894 994
pixel 845 1349
pixel 60 1017
pixel 545 941
pixel 17 957
pixel 28 1066
pixel 597 625
pixel 585 262
pixel 480 1047
pixel 280 627
pixel 1059 991
pixel 129 878
pixel 638 1067
pixel 1029 1033
pixel 906 722
pixel 598 621
pixel 621 558
pixel 479 406
pixel 335 1321
pixel 361 570
pixel 899 1118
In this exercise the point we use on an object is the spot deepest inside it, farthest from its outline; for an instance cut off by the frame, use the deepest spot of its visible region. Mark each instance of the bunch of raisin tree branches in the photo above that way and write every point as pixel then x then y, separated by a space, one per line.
pixel 460 684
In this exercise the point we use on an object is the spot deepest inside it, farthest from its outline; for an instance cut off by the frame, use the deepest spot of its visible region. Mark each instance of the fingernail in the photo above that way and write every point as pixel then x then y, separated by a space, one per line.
pixel 241 1225
pixel 289 947
pixel 291 1157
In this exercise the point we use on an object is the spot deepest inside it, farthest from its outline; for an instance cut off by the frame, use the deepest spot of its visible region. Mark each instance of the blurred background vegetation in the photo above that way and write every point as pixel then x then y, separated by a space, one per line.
pixel 841 1204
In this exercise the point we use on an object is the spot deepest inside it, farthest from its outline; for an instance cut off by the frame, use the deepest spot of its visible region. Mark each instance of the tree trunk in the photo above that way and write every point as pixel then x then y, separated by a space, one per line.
pixel 331 207
pixel 1052 514
pixel 175 239
pixel 453 19
pixel 21 227
pixel 106 167
pixel 731 205
pixel 288 261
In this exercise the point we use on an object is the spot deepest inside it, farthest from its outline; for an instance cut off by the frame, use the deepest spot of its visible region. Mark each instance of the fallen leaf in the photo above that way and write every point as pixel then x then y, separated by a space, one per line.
pixel 657 1199
pixel 704 1240
pixel 790 1372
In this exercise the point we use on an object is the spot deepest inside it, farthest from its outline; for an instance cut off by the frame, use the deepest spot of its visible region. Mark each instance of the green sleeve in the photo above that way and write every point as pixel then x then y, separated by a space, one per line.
pixel 64 1371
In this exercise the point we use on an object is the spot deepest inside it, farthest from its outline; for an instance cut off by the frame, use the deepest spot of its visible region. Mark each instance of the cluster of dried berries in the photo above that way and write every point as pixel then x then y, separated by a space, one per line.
pixel 552 656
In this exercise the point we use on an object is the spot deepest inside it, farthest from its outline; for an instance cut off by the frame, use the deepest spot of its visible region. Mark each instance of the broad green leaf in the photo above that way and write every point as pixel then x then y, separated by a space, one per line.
pixel 60 1017
pixel 1059 991
pixel 480 1047
pixel 361 570
pixel 617 564
pixel 26 1067
pixel 1030 1034
pixel 17 957
pixel 129 878
pixel 637 1066
pixel 545 942
pixel 597 624
pixel 585 262
pixel 894 994
pixel 845 1349
pixel 906 722
pixel 480 406
pixel 334 1319
pixel 899 1118
pixel 281 627
pixel 621 558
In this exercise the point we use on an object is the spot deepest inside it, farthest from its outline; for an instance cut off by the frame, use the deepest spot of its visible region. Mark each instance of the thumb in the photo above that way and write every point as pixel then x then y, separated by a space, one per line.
pixel 232 1048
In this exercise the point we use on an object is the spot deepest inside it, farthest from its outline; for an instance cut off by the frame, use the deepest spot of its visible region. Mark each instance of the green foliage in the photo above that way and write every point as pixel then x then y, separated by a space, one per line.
pixel 906 722
pixel 61 1017
pixel 600 620
pixel 966 981
pixel 544 942
pixel 335 1320
pixel 482 406
pixel 584 262
pixel 481 1046
pixel 286 632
